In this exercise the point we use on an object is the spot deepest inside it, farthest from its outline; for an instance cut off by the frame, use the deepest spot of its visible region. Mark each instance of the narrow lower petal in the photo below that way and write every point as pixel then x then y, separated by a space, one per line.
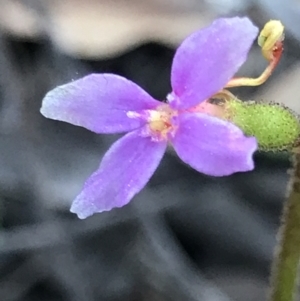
pixel 124 171
pixel 209 58
pixel 213 146
pixel 98 102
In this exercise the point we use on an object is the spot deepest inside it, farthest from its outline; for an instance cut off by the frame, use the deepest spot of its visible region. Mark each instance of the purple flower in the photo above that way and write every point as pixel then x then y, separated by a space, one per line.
pixel 107 103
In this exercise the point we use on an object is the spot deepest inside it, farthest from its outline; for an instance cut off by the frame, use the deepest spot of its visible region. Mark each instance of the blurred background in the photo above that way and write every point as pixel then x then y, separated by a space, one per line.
pixel 186 236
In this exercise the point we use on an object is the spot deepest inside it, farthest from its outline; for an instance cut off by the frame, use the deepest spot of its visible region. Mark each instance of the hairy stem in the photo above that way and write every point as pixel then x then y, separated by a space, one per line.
pixel 285 267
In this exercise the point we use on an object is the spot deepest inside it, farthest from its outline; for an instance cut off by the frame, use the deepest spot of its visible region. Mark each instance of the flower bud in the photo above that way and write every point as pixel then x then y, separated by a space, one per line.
pixel 275 126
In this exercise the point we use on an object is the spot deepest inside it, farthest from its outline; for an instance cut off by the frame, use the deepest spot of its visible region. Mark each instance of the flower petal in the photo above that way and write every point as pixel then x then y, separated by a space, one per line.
pixel 213 146
pixel 98 102
pixel 124 171
pixel 205 61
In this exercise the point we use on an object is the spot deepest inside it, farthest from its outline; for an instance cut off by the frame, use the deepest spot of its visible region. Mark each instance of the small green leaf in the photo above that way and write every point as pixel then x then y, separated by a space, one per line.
pixel 275 126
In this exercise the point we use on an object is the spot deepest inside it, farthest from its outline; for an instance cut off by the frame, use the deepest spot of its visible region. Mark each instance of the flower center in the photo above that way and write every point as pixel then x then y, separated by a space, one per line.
pixel 160 122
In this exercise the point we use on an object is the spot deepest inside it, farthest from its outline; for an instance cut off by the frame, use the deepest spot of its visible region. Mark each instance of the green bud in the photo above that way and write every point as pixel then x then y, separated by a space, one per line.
pixel 275 126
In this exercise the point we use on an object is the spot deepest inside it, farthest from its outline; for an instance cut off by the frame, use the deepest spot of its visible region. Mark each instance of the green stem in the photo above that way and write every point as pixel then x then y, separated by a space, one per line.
pixel 286 262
